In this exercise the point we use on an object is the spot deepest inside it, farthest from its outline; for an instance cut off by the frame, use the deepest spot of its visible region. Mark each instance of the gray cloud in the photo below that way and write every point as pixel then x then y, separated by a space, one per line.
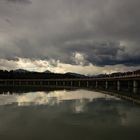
pixel 105 31
pixel 19 1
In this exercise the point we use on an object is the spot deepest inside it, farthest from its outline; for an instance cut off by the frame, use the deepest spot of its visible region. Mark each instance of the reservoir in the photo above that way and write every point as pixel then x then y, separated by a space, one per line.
pixel 67 115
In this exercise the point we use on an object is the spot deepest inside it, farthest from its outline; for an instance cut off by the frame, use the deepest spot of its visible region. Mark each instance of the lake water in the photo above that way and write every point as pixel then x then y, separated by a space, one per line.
pixel 67 115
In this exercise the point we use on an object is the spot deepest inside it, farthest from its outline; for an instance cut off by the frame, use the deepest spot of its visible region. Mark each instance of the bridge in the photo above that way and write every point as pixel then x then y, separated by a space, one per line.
pixel 127 83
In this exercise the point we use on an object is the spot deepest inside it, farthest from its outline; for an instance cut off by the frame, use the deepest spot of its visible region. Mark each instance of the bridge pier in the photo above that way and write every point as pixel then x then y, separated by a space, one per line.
pixel 87 84
pixel 118 85
pixel 56 83
pixel 79 83
pixel 96 84
pixel 135 86
pixel 106 84
pixel 63 83
pixel 71 83
pixel 48 83
pixel 129 86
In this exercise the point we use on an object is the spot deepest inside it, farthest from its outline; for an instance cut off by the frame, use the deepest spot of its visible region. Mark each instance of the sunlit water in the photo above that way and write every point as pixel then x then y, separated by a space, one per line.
pixel 68 115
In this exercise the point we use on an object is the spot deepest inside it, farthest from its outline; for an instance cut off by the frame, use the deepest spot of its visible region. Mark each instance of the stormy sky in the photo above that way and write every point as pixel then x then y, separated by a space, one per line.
pixel 84 36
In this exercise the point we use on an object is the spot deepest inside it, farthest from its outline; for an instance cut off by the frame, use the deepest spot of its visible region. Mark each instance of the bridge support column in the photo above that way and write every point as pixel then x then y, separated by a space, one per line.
pixel 71 83
pixel 106 84
pixel 135 86
pixel 41 83
pixel 79 83
pixel 118 85
pixel 63 84
pixel 96 84
pixel 56 83
pixel 33 83
pixel 26 83
pixel 19 83
pixel 87 84
pixel 48 83
pixel 129 85
pixel 12 83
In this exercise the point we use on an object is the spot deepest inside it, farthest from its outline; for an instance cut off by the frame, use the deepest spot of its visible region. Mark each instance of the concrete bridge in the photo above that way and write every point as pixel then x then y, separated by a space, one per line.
pixel 128 83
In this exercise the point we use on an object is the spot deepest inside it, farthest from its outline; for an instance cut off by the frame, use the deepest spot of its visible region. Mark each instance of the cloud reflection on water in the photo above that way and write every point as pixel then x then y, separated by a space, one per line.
pixel 52 98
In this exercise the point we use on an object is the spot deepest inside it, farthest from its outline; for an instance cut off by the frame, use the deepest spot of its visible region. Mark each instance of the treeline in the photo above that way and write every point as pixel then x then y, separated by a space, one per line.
pixel 33 75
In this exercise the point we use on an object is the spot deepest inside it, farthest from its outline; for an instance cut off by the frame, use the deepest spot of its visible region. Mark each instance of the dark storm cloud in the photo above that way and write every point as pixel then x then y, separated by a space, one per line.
pixel 106 31
pixel 101 53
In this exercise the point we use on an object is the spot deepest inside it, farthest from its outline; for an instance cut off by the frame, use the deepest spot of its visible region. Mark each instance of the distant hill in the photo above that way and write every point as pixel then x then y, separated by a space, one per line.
pixel 76 75
pixel 26 71
pixel 25 74
pixel 47 71
pixel 21 71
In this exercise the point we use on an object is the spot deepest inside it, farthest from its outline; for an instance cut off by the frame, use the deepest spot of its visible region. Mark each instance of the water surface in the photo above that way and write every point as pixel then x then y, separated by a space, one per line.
pixel 67 115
